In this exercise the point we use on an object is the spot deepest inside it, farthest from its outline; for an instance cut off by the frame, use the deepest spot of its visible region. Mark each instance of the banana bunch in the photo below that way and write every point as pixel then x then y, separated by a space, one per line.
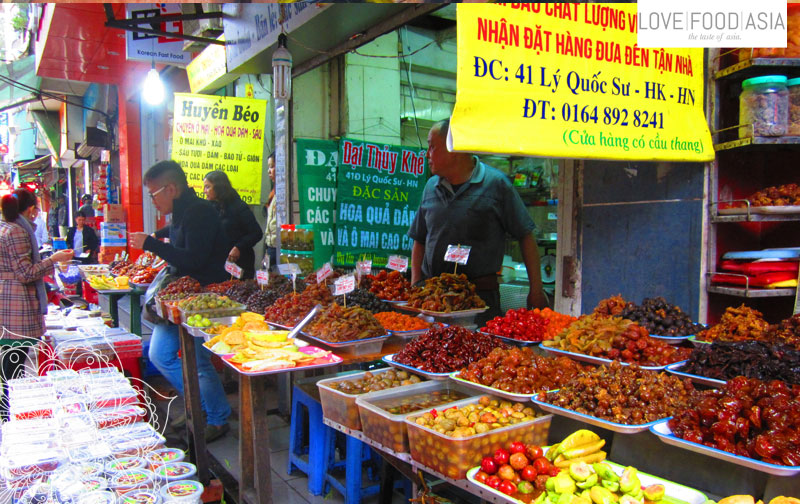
pixel 580 446
pixel 105 282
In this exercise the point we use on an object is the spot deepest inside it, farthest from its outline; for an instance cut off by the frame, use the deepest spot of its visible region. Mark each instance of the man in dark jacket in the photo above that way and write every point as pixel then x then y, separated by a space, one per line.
pixel 198 247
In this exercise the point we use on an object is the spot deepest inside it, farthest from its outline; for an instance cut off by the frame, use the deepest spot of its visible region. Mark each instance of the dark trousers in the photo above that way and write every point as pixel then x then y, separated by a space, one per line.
pixel 13 366
pixel 492 300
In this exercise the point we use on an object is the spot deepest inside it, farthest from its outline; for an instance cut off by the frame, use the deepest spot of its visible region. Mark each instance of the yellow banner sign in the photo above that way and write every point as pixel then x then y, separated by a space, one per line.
pixel 208 71
pixel 568 80
pixel 217 133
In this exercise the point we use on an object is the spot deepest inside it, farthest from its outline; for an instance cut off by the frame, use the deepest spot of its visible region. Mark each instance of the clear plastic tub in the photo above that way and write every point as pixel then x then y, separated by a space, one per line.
pixel 176 471
pixel 77 429
pixel 29 431
pixel 73 404
pixel 383 413
pixel 340 406
pixel 89 469
pixel 29 385
pixel 114 417
pixel 32 407
pixel 24 463
pixel 98 497
pixel 126 464
pixel 764 106
pixel 157 458
pixel 185 491
pixel 228 311
pixel 453 457
pixel 135 479
pixel 141 497
pixel 113 397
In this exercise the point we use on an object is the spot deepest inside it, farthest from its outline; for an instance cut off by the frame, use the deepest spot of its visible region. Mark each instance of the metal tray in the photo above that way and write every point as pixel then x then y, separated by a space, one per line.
pixel 711 382
pixel 113 291
pixel 141 286
pixel 512 341
pixel 343 344
pixel 454 314
pixel 389 359
pixel 194 331
pixel 672 340
pixel 600 360
pixel 765 210
pixel 408 334
pixel 598 422
pixel 662 430
pixel 696 342
pixel 511 396
pixel 280 326
pixel 395 303
pixel 331 360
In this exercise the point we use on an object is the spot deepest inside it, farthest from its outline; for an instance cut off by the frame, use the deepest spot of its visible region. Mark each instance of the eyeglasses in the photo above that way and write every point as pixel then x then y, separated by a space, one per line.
pixel 153 194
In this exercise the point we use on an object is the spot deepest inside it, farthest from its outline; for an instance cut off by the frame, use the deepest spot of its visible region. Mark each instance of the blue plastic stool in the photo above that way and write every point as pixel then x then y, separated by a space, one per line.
pixel 314 446
pixel 356 453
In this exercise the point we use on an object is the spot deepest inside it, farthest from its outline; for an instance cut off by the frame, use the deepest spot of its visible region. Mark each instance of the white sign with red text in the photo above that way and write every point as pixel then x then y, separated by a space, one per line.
pixel 343 285
pixel 156 48
pixel 397 263
pixel 234 269
pixel 457 254
pixel 262 277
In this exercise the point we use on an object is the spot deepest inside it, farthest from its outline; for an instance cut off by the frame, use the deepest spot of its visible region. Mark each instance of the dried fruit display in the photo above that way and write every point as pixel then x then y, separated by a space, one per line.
pixel 787 194
pixel 610 307
pixel 185 284
pixel 337 324
pixel 725 360
pixel 788 332
pixel 737 324
pixel 394 321
pixel 292 307
pixel 240 291
pixel 616 338
pixel 373 382
pixel 661 318
pixel 143 271
pixel 521 371
pixel 748 417
pixel 557 322
pixel 519 324
pixel 624 394
pixel 478 418
pixel 222 287
pixel 365 299
pixel 447 349
pixel 389 285
pixel 447 292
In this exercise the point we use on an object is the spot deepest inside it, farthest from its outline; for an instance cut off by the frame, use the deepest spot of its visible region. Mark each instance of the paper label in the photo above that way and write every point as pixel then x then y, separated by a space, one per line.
pixel 397 263
pixel 324 272
pixel 289 269
pixel 344 284
pixel 233 269
pixel 364 267
pixel 262 277
pixel 457 254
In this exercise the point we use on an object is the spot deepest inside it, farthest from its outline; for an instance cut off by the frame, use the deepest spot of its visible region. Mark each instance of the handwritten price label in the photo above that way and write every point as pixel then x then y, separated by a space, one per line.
pixel 233 269
pixel 364 267
pixel 457 254
pixel 262 277
pixel 397 263
pixel 324 272
pixel 344 284
pixel 289 269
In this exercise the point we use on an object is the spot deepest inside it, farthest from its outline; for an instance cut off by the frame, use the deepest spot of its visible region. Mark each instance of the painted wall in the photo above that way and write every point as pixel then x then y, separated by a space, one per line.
pixel 641 227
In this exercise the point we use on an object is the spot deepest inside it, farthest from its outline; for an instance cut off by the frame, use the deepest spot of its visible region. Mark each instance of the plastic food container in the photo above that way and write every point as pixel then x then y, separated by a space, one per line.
pixel 29 431
pixel 126 464
pixel 388 428
pixel 113 397
pixel 31 462
pixel 33 407
pixel 227 311
pixel 341 407
pixel 764 105
pixel 176 471
pixel 135 479
pixel 90 469
pixel 37 493
pixel 141 497
pixel 114 417
pixel 453 457
pixel 794 106
pixel 29 386
pixel 157 458
pixel 98 497
pixel 184 491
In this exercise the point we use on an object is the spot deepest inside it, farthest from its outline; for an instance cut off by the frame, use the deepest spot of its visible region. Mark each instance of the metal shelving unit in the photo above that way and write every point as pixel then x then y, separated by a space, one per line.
pixel 751 293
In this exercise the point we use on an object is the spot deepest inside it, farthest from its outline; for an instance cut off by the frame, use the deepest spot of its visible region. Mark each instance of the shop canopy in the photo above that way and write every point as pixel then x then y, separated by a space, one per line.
pixel 26 86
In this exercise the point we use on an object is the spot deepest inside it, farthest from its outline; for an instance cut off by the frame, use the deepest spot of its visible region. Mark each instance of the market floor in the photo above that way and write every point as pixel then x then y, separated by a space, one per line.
pixel 286 489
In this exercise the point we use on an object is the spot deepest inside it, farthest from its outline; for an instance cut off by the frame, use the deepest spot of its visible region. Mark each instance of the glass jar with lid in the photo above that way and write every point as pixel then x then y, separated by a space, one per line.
pixel 764 106
pixel 794 106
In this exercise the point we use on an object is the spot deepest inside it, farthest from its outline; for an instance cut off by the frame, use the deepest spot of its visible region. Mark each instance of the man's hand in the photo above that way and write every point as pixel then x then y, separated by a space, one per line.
pixel 137 239
pixel 536 299
pixel 233 255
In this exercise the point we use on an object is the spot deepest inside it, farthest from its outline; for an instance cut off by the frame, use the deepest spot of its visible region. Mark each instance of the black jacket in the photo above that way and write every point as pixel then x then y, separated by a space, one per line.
pixel 243 230
pixel 198 245
pixel 90 241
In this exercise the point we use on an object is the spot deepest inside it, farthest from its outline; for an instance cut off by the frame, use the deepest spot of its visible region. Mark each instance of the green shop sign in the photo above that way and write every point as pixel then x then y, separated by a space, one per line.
pixel 317 162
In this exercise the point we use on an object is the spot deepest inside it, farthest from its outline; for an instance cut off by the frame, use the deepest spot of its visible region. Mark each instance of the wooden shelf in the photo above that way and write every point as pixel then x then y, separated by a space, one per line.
pixel 755 66
pixel 785 141
pixel 751 293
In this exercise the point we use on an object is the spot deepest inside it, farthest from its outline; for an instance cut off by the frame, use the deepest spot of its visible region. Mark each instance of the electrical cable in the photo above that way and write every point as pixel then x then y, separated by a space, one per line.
pixel 411 84
pixel 51 96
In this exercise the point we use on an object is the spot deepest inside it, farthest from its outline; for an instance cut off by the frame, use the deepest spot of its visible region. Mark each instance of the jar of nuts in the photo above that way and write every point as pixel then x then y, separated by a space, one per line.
pixel 764 106
pixel 794 106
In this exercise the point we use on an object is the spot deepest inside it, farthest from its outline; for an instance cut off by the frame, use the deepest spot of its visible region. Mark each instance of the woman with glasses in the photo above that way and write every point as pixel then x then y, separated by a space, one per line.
pixel 239 222
pixel 23 301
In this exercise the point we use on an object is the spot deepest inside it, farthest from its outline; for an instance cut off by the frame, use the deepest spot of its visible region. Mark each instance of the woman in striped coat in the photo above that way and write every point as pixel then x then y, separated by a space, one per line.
pixel 23 301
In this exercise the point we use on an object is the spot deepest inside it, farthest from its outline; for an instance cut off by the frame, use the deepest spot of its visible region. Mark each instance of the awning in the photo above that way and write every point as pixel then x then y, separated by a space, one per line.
pixel 28 83
pixel 40 167
pixel 50 128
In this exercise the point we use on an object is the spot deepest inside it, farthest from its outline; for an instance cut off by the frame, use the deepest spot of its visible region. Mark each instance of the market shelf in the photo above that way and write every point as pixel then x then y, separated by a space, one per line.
pixel 750 293
pixel 756 66
pixel 785 141
pixel 756 218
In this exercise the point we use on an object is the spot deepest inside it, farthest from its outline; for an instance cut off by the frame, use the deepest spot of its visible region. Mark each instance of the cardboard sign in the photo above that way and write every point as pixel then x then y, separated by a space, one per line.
pixel 289 269
pixel 262 277
pixel 343 285
pixel 457 254
pixel 397 263
pixel 234 269
pixel 324 272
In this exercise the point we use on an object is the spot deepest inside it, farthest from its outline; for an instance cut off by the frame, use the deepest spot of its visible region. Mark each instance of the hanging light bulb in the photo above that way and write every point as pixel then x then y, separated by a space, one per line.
pixel 153 88
pixel 282 70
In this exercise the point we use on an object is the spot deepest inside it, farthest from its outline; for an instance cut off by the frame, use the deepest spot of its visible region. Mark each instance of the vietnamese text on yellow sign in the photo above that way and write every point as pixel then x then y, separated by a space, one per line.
pixel 217 133
pixel 568 80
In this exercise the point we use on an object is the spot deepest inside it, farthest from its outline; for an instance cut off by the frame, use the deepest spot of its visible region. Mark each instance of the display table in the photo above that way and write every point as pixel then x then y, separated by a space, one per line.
pixel 111 300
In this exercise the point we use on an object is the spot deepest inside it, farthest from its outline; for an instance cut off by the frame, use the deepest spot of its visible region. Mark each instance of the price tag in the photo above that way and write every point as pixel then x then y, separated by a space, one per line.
pixel 262 277
pixel 324 272
pixel 397 263
pixel 343 285
pixel 364 267
pixel 457 254
pixel 233 269
pixel 289 269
